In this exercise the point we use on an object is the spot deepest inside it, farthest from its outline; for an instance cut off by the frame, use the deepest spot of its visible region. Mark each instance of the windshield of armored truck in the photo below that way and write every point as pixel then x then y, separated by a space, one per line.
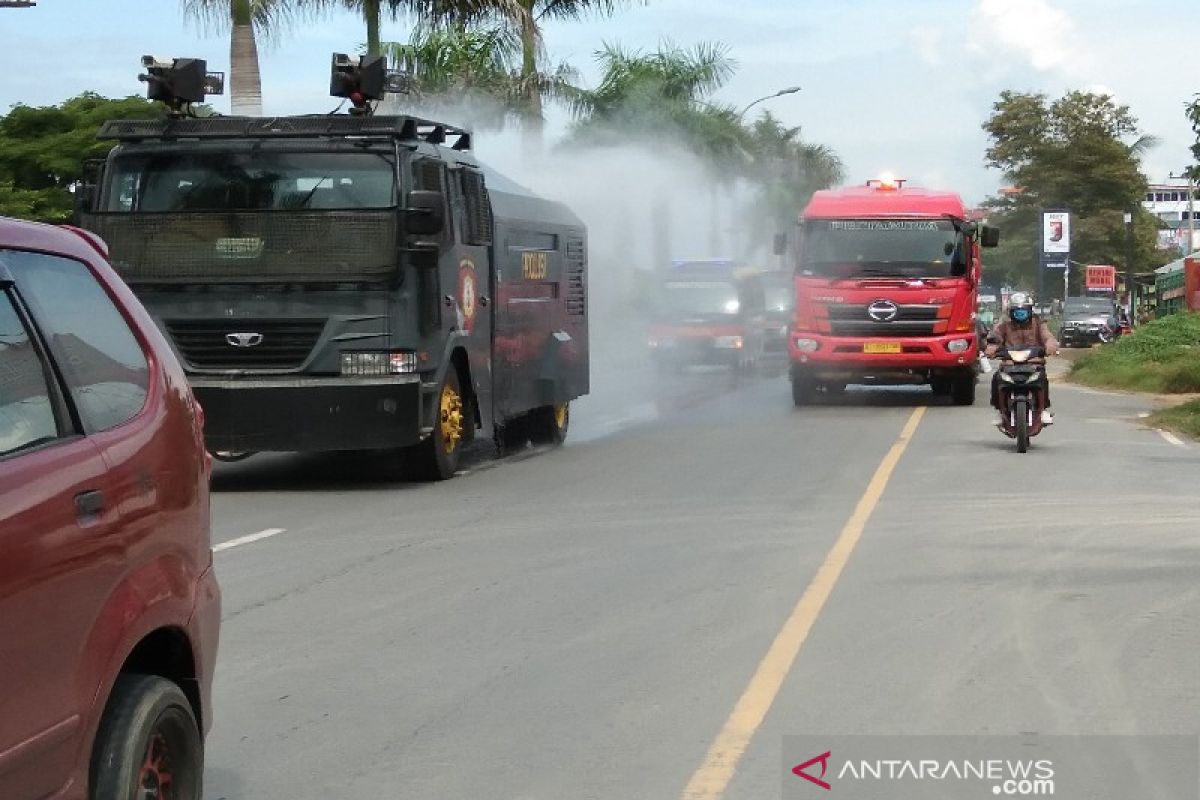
pixel 178 181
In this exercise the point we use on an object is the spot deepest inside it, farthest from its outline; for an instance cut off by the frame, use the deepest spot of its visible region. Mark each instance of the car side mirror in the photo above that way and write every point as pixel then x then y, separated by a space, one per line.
pixel 425 214
pixel 779 246
pixel 989 236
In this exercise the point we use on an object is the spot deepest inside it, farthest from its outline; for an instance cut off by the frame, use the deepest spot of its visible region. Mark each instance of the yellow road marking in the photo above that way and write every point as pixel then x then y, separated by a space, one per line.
pixel 712 778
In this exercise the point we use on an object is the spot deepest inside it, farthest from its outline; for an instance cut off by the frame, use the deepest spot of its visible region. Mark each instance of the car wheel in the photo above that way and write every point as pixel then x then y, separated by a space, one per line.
pixel 148 745
pixel 436 458
pixel 548 425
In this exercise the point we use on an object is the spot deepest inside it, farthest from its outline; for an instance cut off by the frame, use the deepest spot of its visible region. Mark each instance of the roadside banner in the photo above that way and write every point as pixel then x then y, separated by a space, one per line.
pixel 1100 277
pixel 1056 233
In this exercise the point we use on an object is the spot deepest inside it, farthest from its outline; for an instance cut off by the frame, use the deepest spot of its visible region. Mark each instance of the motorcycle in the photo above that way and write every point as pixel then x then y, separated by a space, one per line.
pixel 1021 398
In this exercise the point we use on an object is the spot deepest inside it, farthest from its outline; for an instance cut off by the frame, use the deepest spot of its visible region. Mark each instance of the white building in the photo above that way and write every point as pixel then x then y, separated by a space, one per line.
pixel 1169 202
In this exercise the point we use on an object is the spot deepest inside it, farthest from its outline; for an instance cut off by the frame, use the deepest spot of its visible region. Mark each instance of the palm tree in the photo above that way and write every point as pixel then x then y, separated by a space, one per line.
pixel 476 66
pixel 533 14
pixel 427 12
pixel 785 171
pixel 662 92
pixel 245 19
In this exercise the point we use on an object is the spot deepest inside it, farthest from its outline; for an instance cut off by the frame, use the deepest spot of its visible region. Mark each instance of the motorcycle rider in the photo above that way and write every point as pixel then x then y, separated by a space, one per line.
pixel 1023 329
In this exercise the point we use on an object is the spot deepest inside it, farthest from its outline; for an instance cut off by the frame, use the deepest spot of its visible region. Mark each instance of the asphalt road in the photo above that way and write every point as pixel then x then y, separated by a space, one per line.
pixel 582 623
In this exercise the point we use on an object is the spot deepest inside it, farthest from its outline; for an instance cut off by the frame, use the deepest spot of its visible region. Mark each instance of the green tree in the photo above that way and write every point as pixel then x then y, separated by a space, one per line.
pixel 663 93
pixel 427 12
pixel 1082 152
pixel 458 63
pixel 533 15
pixel 1193 115
pixel 42 150
pixel 786 171
pixel 246 20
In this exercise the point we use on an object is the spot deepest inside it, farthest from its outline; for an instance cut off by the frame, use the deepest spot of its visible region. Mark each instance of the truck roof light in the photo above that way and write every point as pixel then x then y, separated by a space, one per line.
pixel 886 182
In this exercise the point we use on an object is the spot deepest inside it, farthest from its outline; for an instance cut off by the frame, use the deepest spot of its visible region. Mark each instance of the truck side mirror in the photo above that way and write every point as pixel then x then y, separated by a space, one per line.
pixel 425 214
pixel 989 236
pixel 84 200
pixel 780 244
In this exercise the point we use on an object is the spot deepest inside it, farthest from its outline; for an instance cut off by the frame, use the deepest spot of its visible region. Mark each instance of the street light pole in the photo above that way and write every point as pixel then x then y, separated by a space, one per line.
pixel 780 93
pixel 714 234
pixel 1129 262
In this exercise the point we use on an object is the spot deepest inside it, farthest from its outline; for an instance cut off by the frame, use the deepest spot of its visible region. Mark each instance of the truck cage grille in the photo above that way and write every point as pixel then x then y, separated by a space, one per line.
pixel 283 343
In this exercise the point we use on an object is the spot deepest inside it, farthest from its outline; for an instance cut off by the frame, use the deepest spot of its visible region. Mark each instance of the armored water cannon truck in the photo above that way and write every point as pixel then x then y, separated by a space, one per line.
pixel 346 282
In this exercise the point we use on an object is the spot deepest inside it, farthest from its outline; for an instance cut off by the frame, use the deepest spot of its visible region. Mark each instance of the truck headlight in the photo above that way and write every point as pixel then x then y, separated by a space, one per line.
pixel 395 362
pixel 729 342
pixel 958 345
pixel 807 345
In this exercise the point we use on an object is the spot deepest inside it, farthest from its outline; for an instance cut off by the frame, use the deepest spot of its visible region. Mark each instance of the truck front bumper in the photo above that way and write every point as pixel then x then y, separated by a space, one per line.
pixel 309 414
pixel 929 355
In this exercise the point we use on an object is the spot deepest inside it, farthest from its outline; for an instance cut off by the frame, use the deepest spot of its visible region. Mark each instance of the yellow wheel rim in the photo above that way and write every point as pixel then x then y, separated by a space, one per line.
pixel 560 416
pixel 450 418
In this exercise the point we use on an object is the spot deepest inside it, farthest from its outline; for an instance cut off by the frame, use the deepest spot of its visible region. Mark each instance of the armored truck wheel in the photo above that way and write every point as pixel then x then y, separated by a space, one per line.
pixel 436 458
pixel 548 424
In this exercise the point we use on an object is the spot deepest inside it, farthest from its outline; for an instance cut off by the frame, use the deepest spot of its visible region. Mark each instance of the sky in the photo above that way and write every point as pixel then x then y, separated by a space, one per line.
pixel 891 85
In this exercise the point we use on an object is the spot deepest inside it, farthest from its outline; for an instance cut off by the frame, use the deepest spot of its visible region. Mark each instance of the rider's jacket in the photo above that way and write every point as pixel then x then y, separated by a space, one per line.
pixel 1014 336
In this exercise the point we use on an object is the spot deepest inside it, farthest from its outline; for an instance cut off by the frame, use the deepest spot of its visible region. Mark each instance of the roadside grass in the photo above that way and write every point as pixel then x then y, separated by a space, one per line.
pixel 1183 418
pixel 1162 356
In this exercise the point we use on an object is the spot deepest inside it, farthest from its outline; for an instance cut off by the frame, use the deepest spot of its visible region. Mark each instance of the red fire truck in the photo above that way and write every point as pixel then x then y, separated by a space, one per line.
pixel 886 288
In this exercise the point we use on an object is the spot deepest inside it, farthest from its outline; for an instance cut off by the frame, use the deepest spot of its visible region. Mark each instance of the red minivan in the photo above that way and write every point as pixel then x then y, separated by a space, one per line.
pixel 109 610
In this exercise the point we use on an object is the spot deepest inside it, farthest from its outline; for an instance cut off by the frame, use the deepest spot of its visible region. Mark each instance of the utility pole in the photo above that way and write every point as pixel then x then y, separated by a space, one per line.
pixel 1129 262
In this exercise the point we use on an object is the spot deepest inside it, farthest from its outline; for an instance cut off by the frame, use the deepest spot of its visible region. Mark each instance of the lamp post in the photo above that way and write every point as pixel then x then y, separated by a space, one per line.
pixel 714 234
pixel 1129 262
pixel 780 93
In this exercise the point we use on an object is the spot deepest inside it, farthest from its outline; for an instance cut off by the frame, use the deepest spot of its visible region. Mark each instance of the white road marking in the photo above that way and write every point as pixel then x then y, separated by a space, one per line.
pixel 253 537
pixel 1172 439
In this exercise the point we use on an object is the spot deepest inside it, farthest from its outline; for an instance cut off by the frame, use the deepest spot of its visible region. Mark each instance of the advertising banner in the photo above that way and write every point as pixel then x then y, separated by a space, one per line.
pixel 1056 233
pixel 1100 277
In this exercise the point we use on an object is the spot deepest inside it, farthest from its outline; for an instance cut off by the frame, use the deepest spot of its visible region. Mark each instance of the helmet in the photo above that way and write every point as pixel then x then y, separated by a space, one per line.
pixel 1020 307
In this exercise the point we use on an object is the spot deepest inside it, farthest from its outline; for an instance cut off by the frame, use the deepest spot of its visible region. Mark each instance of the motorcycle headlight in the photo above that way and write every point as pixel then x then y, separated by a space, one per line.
pixel 1004 376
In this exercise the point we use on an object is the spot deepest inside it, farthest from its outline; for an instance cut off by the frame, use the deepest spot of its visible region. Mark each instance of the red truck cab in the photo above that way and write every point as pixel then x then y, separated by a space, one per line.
pixel 886 283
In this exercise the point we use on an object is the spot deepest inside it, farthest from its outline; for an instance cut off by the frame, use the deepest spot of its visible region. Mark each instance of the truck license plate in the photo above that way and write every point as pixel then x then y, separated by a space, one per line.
pixel 882 347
